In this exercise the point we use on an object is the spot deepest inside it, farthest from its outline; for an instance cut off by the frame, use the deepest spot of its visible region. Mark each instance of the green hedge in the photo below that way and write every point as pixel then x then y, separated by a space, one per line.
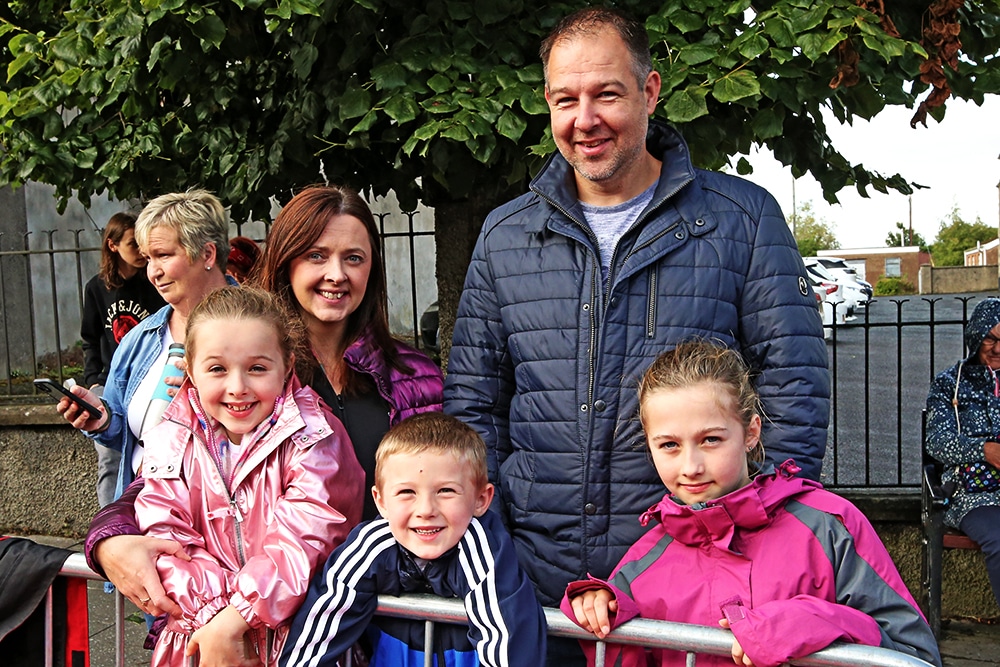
pixel 893 287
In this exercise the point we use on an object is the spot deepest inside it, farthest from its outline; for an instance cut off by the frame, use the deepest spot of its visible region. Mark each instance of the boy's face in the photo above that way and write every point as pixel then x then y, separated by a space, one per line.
pixel 429 499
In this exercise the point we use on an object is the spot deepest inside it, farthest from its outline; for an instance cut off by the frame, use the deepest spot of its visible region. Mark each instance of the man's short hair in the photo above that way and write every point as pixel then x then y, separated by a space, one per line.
pixel 435 432
pixel 591 21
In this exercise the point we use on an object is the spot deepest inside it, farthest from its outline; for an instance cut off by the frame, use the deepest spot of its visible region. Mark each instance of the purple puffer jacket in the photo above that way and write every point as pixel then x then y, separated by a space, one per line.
pixel 407 395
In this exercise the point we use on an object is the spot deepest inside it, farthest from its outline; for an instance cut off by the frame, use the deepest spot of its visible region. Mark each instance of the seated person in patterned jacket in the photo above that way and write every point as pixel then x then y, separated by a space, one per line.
pixel 436 536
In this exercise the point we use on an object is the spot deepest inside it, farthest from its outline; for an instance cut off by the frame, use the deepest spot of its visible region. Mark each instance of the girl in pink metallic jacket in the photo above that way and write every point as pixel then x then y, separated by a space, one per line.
pixel 253 476
pixel 788 567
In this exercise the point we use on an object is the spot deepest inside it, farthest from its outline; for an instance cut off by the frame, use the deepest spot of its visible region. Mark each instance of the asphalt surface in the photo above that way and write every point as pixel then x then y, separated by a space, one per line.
pixel 881 375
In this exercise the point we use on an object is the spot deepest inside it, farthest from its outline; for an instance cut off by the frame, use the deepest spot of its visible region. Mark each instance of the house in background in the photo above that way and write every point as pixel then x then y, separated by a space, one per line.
pixel 873 264
pixel 983 255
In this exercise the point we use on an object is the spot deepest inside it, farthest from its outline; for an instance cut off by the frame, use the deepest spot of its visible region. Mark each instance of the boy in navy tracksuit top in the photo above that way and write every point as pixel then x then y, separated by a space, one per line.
pixel 436 536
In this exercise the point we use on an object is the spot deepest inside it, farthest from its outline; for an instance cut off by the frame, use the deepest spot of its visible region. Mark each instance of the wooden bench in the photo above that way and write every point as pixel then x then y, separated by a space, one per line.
pixel 937 537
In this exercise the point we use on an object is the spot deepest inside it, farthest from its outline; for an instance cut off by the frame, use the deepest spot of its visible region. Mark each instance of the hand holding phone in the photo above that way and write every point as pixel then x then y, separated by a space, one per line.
pixel 56 390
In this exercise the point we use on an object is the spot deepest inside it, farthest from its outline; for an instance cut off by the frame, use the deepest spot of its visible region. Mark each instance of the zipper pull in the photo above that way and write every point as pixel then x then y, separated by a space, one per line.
pixel 236 511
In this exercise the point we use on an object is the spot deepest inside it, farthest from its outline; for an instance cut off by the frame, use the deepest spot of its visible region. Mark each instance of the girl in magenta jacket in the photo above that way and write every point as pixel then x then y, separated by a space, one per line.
pixel 252 476
pixel 788 567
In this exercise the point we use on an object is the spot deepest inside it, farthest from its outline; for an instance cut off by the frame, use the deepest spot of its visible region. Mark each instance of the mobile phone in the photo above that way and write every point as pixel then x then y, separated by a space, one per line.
pixel 48 386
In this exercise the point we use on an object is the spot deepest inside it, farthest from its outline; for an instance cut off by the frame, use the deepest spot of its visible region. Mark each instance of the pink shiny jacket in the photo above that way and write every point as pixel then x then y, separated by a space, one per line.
pixel 257 534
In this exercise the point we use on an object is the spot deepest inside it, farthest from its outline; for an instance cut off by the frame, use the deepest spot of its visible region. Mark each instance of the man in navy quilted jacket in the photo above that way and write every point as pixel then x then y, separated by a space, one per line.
pixel 620 250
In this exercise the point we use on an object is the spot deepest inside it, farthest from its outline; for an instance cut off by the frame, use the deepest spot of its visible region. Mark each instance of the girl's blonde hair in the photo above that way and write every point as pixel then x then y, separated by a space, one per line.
pixel 697 361
pixel 244 304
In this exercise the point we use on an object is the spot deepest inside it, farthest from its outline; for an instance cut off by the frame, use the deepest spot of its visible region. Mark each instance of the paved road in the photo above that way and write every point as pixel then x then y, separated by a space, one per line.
pixel 874 436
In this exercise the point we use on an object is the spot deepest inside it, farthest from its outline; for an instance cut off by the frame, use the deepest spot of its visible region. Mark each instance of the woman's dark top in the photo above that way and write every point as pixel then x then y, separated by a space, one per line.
pixel 366 417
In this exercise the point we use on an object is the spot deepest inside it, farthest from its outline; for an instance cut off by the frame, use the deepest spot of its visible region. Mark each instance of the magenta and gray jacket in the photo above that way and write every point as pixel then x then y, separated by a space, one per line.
pixel 791 566
pixel 406 395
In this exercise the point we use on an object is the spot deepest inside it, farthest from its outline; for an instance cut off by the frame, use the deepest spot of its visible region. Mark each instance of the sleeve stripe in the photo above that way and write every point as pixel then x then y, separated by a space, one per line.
pixel 341 578
pixel 482 601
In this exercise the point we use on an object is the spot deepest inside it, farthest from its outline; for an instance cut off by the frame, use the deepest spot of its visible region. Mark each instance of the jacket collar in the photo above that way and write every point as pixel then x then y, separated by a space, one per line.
pixel 556 182
pixel 715 522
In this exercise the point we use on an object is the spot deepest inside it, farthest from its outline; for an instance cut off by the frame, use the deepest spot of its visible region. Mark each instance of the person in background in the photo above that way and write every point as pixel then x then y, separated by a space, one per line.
pixel 963 433
pixel 243 435
pixel 114 301
pixel 621 250
pixel 435 535
pixel 788 567
pixel 243 255
pixel 323 260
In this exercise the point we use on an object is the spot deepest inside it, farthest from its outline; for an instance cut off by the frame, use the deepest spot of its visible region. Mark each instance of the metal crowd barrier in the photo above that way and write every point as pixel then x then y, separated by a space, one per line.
pixel 692 639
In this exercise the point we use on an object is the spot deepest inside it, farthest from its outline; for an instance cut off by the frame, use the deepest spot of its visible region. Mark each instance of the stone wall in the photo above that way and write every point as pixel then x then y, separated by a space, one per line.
pixel 47 473
pixel 957 279
pixel 47 476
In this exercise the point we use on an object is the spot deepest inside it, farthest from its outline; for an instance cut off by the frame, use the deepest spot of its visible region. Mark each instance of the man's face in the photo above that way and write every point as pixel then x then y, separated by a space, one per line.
pixel 989 350
pixel 598 111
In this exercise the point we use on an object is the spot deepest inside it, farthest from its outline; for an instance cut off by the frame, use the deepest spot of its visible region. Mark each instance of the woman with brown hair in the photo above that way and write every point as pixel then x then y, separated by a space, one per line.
pixel 323 259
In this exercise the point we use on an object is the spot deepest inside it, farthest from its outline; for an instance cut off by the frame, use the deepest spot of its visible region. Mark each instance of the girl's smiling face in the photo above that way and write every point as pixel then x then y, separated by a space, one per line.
pixel 698 442
pixel 239 370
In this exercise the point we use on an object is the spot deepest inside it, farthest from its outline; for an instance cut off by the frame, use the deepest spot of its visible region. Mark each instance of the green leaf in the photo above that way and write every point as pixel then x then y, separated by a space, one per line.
pixel 428 130
pixel 767 123
pixel 439 83
pixel 743 167
pixel 388 75
pixel 736 86
pixel 685 105
pixel 71 76
pixel 86 157
pixel 365 123
pixel 753 46
pixel 511 125
pixel 780 31
pixel 697 53
pixel 211 29
pixel 809 19
pixel 354 102
pixel 303 58
pixel 533 102
pixel 456 132
pixel 402 108
pixel 887 48
pixel 18 63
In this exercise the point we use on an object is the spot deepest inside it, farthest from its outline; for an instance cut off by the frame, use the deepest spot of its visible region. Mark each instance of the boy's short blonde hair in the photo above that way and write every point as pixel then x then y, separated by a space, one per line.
pixel 439 433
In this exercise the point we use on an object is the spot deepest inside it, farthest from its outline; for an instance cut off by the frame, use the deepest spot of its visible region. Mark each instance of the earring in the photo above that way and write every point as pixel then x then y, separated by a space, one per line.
pixel 208 267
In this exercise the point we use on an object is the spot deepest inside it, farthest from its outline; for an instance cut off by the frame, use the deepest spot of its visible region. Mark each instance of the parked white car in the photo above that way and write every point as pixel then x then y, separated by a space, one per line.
pixel 845 274
pixel 832 305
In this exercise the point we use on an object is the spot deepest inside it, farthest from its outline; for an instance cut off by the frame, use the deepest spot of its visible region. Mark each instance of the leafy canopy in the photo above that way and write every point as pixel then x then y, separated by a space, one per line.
pixel 955 236
pixel 904 236
pixel 439 100
pixel 812 233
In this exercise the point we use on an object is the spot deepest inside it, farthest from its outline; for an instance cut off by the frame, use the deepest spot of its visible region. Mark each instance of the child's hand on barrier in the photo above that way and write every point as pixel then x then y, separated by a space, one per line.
pixel 222 642
pixel 594 609
pixel 739 657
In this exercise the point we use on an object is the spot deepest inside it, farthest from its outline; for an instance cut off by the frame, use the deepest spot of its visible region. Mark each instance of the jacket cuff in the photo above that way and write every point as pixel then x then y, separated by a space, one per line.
pixel 246 610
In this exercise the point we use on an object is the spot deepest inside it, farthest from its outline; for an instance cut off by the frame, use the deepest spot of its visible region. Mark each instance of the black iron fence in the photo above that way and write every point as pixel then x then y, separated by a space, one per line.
pixel 43 276
pixel 881 362
pixel 881 365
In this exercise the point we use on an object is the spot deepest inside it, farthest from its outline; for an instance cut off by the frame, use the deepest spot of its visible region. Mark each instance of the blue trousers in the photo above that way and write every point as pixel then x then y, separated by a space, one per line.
pixel 983 525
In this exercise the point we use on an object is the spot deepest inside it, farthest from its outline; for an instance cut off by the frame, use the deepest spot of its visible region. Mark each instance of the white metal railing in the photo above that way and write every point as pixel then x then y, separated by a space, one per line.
pixel 692 639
